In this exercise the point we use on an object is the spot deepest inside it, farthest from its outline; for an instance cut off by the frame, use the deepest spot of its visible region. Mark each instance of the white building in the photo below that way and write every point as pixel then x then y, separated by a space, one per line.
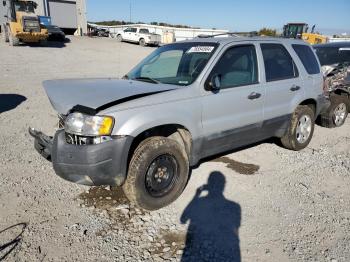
pixel 69 15
pixel 167 33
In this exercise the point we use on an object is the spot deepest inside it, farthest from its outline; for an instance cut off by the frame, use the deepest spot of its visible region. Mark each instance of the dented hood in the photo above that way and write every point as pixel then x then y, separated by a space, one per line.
pixel 97 94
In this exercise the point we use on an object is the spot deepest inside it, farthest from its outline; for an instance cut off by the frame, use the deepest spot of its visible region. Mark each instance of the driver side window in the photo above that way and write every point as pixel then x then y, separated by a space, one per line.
pixel 237 67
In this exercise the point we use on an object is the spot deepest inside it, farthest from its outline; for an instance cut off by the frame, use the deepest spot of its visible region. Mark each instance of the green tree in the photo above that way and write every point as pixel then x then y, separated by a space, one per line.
pixel 267 32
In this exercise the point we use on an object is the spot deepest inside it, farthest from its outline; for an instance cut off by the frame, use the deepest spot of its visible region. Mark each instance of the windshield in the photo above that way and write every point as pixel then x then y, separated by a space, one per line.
pixel 177 64
pixel 27 7
pixel 332 55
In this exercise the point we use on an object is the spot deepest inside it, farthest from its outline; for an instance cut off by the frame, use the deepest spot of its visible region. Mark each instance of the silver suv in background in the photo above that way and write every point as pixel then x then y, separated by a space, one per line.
pixel 184 102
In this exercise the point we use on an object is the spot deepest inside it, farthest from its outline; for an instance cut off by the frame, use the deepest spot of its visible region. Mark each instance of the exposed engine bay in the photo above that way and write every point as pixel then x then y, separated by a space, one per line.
pixel 337 77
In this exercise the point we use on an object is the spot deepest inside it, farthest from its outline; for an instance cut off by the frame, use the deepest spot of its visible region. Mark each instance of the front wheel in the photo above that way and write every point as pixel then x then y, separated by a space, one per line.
pixel 158 173
pixel 4 34
pixel 13 41
pixel 300 130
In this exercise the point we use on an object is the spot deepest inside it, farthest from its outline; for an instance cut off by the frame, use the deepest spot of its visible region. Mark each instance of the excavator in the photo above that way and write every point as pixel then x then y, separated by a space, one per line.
pixel 300 30
pixel 20 23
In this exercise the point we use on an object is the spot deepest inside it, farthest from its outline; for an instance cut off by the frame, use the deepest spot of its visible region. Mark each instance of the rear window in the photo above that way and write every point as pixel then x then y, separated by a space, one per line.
pixel 279 64
pixel 308 58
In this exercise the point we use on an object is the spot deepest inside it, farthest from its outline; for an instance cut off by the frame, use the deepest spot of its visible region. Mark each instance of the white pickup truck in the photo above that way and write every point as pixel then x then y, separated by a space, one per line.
pixel 139 35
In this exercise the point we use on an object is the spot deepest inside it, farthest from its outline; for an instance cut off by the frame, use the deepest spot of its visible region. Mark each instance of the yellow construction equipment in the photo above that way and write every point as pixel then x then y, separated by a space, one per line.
pixel 21 23
pixel 300 30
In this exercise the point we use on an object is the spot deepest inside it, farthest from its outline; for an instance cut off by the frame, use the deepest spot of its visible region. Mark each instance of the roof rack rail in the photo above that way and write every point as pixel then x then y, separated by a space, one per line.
pixel 234 34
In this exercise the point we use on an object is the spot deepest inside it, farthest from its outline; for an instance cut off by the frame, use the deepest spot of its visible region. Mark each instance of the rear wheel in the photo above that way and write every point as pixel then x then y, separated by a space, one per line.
pixel 142 42
pixel 158 173
pixel 119 38
pixel 337 112
pixel 300 130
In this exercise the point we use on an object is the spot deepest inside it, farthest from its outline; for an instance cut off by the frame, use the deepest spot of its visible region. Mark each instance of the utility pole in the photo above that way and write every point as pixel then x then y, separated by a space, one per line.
pixel 130 13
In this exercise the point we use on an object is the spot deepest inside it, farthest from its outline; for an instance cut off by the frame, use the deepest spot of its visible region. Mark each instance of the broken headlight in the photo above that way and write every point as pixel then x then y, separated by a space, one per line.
pixel 86 125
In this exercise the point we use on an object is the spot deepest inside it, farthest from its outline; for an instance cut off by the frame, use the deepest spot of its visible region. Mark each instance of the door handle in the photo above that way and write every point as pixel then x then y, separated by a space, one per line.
pixel 254 96
pixel 294 88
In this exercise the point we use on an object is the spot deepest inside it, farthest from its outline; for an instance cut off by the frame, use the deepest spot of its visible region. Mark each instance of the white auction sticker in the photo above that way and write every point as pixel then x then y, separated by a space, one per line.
pixel 201 49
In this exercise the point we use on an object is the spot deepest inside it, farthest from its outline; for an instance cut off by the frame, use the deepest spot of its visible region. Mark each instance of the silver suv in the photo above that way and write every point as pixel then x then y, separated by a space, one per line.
pixel 184 102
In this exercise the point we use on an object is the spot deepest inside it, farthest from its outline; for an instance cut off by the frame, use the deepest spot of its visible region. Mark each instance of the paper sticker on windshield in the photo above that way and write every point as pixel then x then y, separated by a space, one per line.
pixel 201 49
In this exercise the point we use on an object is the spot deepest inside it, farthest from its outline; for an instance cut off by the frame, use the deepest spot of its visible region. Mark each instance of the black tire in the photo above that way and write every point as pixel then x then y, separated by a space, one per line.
pixel 44 42
pixel 331 117
pixel 138 185
pixel 142 42
pixel 119 38
pixel 292 139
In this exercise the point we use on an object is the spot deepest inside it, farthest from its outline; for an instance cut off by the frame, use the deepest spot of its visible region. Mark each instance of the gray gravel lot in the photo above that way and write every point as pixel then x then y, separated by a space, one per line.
pixel 282 206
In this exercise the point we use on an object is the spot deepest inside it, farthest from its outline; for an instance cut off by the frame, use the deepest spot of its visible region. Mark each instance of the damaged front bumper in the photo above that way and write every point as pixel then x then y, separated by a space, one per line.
pixel 92 165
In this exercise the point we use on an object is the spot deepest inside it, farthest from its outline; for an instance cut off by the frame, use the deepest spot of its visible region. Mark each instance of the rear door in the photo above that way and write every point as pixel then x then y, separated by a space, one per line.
pixel 284 87
pixel 233 115
pixel 311 70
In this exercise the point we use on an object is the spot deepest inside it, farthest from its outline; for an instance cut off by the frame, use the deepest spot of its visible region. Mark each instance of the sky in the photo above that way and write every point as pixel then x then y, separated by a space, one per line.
pixel 330 16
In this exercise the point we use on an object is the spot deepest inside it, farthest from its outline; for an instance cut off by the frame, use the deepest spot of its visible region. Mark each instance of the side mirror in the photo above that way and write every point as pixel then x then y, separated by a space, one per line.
pixel 4 3
pixel 214 84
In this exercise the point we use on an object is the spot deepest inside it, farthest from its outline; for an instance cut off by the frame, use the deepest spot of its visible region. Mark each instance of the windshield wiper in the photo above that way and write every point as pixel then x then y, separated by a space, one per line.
pixel 146 79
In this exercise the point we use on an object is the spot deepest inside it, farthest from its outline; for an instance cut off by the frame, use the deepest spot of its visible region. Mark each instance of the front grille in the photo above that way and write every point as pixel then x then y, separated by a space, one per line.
pixel 85 140
pixel 61 119
pixel 31 25
pixel 79 140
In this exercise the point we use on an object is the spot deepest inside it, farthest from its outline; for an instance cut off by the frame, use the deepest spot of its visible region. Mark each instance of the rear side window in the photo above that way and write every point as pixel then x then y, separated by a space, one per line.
pixel 308 58
pixel 237 67
pixel 279 64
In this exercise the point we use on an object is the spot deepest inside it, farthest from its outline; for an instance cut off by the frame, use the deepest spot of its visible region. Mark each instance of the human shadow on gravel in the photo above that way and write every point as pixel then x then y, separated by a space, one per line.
pixel 214 222
pixel 13 237
pixel 10 101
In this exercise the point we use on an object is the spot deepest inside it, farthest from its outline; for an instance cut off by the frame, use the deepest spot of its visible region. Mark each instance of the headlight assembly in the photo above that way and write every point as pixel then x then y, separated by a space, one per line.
pixel 86 125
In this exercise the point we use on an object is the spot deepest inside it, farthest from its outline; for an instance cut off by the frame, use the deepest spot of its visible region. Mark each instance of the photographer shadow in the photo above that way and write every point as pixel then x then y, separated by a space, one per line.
pixel 214 222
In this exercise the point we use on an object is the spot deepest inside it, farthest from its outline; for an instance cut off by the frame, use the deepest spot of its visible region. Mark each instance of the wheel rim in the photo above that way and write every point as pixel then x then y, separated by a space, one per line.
pixel 340 114
pixel 304 128
pixel 142 42
pixel 161 175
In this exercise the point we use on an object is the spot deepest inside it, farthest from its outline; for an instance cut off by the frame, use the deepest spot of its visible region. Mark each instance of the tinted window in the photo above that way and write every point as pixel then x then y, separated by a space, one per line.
pixel 332 55
pixel 308 58
pixel 144 31
pixel 278 62
pixel 238 66
pixel 133 30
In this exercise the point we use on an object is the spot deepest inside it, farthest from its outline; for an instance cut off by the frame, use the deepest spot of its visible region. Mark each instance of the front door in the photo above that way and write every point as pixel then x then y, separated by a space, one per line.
pixel 232 116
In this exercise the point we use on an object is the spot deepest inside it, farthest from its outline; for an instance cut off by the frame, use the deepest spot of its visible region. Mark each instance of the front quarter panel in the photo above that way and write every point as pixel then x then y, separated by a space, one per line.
pixel 134 121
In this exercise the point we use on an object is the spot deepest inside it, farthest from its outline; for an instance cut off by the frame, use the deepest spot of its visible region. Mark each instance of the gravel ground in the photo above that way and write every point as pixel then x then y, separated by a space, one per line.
pixel 263 203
